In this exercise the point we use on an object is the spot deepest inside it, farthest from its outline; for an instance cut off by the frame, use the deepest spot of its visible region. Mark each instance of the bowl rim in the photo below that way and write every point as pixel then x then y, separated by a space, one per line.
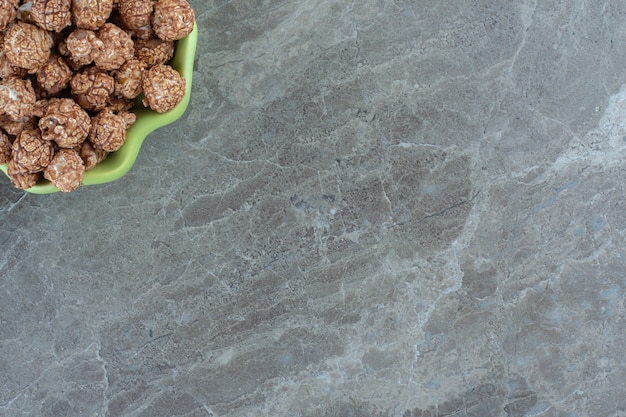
pixel 118 163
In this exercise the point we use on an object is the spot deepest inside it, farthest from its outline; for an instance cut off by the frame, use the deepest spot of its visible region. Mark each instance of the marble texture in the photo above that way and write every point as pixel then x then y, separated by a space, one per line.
pixel 373 209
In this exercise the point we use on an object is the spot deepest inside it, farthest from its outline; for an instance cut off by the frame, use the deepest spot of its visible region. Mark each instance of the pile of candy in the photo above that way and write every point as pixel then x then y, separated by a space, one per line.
pixel 71 70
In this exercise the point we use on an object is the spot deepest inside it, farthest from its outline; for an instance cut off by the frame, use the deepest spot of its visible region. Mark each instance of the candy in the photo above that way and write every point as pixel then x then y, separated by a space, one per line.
pixel 70 71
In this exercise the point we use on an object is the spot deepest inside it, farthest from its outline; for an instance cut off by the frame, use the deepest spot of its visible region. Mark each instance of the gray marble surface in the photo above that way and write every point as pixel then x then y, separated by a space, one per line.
pixel 370 209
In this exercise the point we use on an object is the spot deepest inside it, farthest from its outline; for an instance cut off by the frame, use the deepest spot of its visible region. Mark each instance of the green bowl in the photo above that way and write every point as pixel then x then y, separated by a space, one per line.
pixel 118 163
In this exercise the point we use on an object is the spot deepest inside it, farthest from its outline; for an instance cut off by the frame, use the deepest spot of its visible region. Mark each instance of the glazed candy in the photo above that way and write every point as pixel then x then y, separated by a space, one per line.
pixel 163 88
pixel 71 72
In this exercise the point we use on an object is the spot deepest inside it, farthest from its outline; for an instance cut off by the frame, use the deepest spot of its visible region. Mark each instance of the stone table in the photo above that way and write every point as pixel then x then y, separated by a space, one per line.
pixel 376 208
